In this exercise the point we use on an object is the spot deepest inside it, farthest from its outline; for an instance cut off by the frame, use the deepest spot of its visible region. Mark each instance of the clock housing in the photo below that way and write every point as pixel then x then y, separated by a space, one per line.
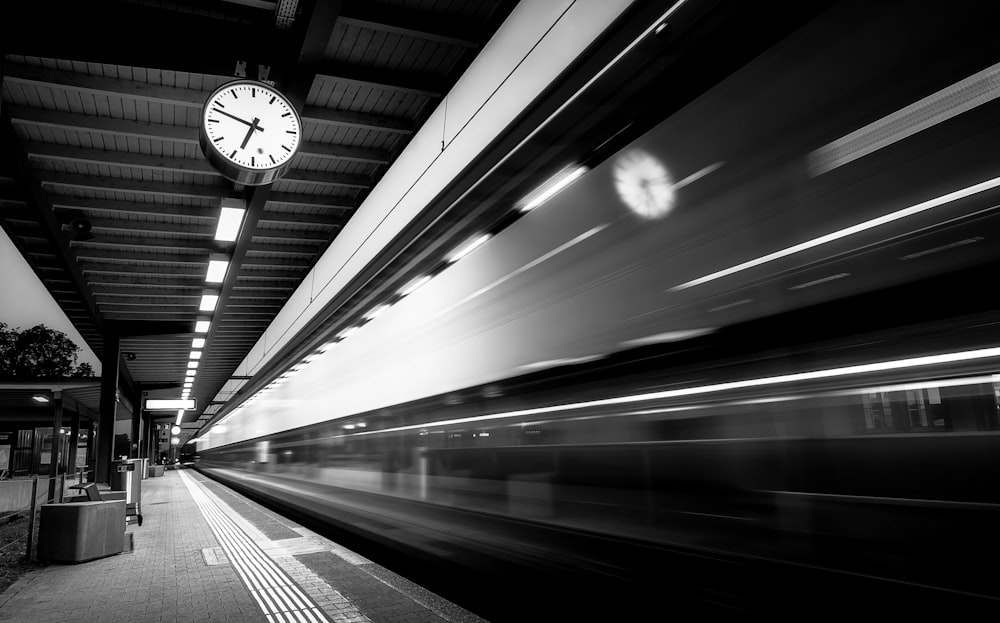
pixel 249 132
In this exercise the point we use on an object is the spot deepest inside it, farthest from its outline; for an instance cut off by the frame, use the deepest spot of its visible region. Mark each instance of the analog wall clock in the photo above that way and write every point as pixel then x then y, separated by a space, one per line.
pixel 249 132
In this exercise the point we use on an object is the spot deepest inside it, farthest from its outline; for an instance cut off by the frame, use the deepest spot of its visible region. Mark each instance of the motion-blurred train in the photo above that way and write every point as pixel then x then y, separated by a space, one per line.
pixel 749 361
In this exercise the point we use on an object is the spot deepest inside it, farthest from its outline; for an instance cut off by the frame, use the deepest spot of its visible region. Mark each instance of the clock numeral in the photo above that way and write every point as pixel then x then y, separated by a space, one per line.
pixel 213 120
pixel 220 104
pixel 273 161
pixel 232 154
pixel 253 92
pixel 290 131
pixel 273 97
pixel 252 162
pixel 285 148
pixel 216 140
pixel 286 114
pixel 235 97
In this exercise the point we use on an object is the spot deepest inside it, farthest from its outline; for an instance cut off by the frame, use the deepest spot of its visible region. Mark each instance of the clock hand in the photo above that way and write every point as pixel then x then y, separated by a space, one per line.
pixel 236 118
pixel 253 126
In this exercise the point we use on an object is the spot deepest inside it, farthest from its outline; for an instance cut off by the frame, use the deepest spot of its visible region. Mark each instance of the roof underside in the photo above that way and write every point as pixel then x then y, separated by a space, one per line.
pixel 106 193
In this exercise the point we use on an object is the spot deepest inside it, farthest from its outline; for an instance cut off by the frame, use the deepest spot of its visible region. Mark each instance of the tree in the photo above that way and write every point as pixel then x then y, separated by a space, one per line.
pixel 39 352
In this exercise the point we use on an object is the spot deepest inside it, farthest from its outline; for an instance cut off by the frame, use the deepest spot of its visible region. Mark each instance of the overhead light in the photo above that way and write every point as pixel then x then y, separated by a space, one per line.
pixel 558 182
pixel 201 326
pixel 216 271
pixel 189 384
pixel 189 375
pixel 230 220
pixel 208 302
pixel 198 342
pixel 168 404
pixel 195 354
pixel 40 398
pixel 412 287
pixel 378 311
pixel 192 365
pixel 468 248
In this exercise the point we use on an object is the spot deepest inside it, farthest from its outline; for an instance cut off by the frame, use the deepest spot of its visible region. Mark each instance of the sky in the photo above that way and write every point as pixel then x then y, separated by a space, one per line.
pixel 24 301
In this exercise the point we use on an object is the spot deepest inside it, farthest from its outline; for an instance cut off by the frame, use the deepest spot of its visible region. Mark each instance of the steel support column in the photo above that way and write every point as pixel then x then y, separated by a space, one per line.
pixel 108 407
pixel 57 416
pixel 74 440
pixel 136 399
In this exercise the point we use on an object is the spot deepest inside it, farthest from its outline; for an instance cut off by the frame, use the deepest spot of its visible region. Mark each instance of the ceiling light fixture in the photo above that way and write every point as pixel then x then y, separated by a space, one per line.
pixel 198 342
pixel 40 398
pixel 216 271
pixel 230 220
pixel 195 354
pixel 201 326
pixel 208 302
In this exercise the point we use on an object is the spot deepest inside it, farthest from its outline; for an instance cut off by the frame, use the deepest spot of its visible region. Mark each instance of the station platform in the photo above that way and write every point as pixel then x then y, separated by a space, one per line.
pixel 206 553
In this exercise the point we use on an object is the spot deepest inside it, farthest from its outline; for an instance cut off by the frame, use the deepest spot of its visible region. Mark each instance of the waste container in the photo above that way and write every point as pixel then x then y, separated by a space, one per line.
pixel 125 476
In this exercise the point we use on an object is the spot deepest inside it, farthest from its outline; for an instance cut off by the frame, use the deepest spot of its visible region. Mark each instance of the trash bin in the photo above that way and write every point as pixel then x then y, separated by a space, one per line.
pixel 126 477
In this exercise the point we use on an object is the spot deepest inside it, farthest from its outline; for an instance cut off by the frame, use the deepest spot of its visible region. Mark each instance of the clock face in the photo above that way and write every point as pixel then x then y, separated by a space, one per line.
pixel 250 132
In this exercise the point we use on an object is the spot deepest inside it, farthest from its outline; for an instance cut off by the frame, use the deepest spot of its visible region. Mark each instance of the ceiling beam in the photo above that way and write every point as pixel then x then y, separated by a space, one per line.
pixel 89 254
pixel 76 180
pixel 178 134
pixel 134 207
pixel 324 220
pixel 195 98
pixel 100 271
pixel 456 30
pixel 329 179
pixel 351 119
pixel 135 226
pixel 322 202
pixel 412 82
pixel 299 235
pixel 209 245
pixel 128 159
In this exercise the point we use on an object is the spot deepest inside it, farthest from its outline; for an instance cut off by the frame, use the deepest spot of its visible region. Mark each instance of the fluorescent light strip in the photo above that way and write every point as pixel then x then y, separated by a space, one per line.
pixel 414 285
pixel 559 182
pixel 208 302
pixel 195 354
pixel 468 248
pixel 198 342
pixel 216 271
pixel 201 326
pixel 230 220
pixel 899 364
pixel 848 231
pixel 976 90
pixel 378 311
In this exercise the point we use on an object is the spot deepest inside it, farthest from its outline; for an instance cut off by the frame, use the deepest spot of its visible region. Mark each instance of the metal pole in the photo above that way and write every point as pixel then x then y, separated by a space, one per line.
pixel 31 515
pixel 57 411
